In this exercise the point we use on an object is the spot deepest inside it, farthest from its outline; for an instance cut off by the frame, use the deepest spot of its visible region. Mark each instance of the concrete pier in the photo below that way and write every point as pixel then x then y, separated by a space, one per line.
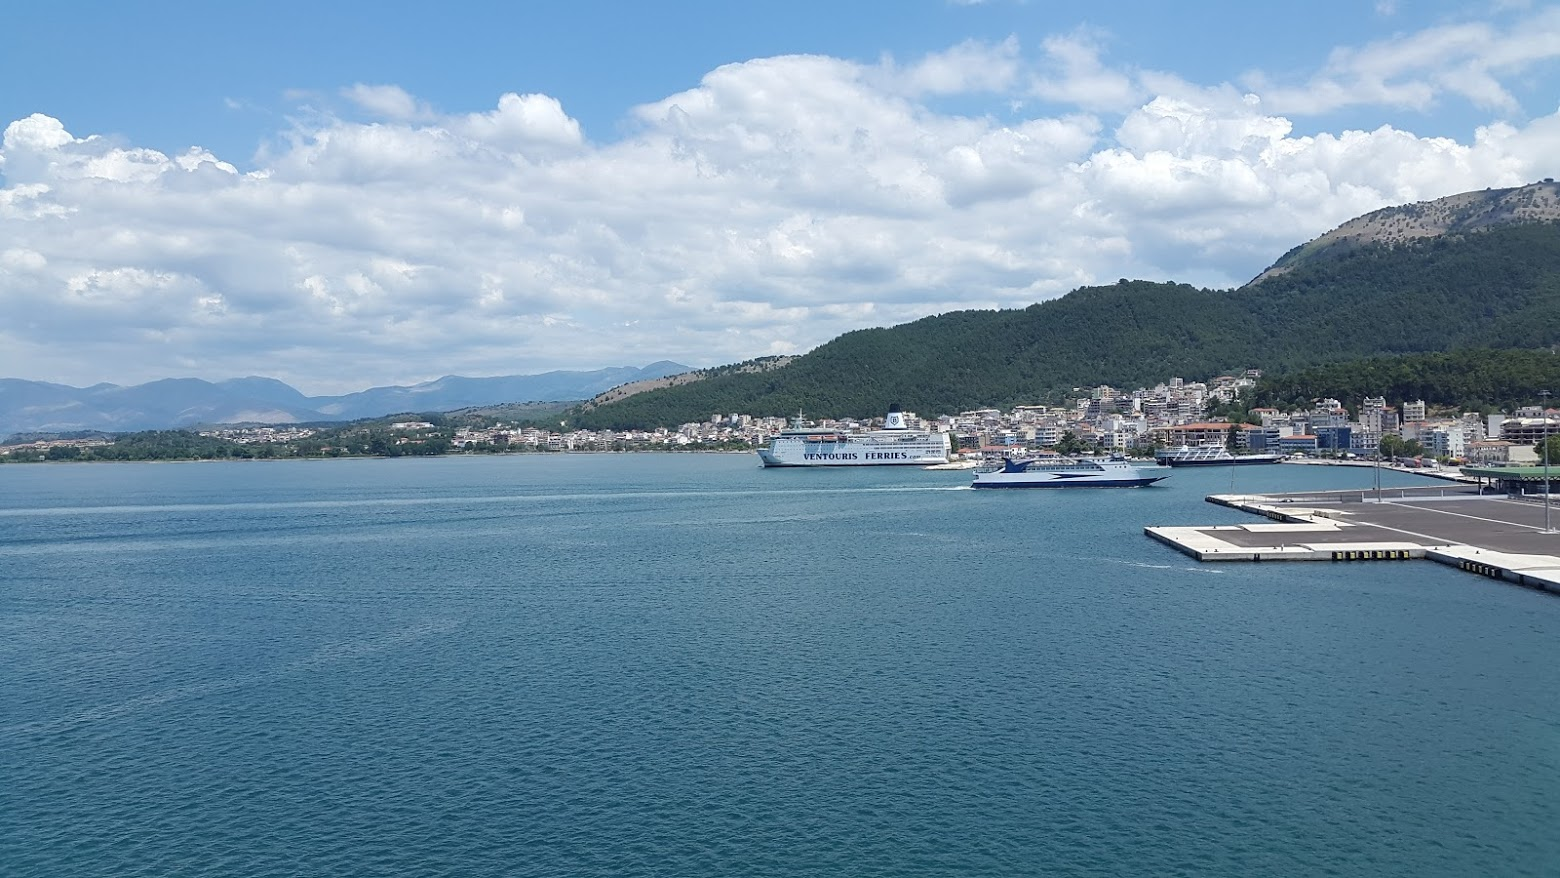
pixel 1490 535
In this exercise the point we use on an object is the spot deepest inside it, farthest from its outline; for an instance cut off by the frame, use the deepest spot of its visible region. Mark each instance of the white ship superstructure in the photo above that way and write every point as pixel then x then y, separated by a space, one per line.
pixel 1055 471
pixel 894 445
pixel 1210 455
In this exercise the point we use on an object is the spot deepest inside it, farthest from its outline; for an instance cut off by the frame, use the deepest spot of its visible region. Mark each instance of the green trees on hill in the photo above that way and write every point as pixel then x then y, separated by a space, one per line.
pixel 169 445
pixel 1469 379
pixel 1492 289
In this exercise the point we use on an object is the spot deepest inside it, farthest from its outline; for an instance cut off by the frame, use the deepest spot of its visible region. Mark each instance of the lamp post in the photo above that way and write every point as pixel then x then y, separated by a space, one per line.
pixel 1381 448
pixel 1544 395
pixel 1378 469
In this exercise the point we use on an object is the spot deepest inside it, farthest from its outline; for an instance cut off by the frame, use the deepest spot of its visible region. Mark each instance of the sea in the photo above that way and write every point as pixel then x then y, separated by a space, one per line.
pixel 687 665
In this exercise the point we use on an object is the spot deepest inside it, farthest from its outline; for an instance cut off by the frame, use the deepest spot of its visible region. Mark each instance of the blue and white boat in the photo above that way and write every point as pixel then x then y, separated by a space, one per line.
pixel 1054 471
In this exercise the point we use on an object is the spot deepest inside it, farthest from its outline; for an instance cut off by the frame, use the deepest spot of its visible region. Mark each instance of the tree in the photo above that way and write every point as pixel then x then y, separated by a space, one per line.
pixel 1070 444
pixel 1548 448
pixel 1393 445
pixel 380 444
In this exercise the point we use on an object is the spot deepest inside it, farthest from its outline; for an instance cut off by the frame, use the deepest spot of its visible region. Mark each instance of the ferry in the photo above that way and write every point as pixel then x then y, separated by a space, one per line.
pixel 1068 472
pixel 894 445
pixel 1210 455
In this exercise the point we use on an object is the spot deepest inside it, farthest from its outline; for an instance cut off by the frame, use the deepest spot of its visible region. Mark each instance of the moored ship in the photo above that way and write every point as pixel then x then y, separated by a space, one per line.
pixel 894 445
pixel 1210 455
pixel 1054 471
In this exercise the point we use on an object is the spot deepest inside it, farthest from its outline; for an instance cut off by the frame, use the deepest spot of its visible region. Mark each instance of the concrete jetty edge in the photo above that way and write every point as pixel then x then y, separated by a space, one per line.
pixel 1298 532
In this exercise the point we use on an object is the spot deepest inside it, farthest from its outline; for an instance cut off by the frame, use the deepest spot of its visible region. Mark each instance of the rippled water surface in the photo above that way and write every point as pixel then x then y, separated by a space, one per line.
pixel 686 665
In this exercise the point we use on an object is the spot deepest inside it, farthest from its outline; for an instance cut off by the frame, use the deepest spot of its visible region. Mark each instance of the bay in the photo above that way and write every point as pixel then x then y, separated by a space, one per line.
pixel 688 665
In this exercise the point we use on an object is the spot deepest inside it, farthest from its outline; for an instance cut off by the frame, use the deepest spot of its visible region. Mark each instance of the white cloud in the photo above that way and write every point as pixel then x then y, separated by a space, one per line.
pixel 778 203
pixel 1191 127
pixel 523 121
pixel 388 102
pixel 39 149
pixel 971 66
pixel 20 259
pixel 35 133
pixel 1073 74
pixel 1413 71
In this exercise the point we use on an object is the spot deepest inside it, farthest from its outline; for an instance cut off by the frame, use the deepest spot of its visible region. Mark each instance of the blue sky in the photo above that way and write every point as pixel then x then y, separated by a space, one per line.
pixel 347 194
pixel 226 76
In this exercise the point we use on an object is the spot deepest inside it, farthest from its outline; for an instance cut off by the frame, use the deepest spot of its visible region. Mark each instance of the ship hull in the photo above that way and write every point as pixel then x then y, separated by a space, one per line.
pixel 1034 480
pixel 768 463
pixel 850 454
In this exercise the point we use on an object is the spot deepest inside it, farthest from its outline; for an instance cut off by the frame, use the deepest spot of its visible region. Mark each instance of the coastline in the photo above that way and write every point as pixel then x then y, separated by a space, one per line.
pixel 1435 472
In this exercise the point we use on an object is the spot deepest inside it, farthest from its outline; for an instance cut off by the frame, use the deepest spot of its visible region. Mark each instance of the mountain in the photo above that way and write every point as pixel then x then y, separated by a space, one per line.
pixel 1490 279
pixel 41 407
pixel 1455 214
pixel 624 391
pixel 35 406
pixel 453 391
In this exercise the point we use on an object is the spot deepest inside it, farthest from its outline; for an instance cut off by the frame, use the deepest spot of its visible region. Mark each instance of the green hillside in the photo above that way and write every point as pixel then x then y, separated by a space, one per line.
pixel 1495 288
pixel 1465 380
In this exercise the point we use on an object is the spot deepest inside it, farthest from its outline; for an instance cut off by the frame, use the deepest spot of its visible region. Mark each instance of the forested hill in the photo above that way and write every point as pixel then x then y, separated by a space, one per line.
pixel 1495 288
pixel 1470 380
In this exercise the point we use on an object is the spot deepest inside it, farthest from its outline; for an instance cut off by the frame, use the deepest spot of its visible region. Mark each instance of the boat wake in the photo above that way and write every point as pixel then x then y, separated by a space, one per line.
pixel 317 661
pixel 1144 565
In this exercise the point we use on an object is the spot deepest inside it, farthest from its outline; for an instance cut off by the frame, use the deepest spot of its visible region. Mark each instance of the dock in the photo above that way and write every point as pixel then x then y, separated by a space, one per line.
pixel 1494 535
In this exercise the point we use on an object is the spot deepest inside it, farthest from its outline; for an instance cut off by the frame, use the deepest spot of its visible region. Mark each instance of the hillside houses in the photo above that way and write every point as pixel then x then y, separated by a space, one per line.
pixel 1170 414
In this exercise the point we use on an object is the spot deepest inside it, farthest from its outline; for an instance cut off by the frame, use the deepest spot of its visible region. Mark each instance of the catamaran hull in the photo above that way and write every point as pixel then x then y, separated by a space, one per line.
pixel 1036 480
pixel 1236 462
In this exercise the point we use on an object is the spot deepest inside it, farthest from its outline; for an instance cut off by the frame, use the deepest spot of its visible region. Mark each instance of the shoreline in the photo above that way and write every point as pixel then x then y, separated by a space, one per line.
pixel 1435 472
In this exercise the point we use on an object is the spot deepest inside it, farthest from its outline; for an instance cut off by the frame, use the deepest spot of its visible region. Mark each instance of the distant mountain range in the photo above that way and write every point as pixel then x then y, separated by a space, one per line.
pixel 40 407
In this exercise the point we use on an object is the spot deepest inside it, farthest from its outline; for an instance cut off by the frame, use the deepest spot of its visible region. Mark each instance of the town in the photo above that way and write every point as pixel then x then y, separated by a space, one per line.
pixel 1172 414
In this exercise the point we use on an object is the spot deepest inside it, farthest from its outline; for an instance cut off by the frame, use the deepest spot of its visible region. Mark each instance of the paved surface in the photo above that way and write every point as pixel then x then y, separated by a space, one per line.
pixel 1433 517
pixel 1488 534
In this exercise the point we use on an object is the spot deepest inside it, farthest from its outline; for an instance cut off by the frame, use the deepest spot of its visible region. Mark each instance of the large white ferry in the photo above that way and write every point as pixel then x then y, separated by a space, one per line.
pixel 1055 471
pixel 894 445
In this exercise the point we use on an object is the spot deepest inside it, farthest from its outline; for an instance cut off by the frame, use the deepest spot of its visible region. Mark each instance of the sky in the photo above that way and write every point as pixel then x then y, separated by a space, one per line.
pixel 353 194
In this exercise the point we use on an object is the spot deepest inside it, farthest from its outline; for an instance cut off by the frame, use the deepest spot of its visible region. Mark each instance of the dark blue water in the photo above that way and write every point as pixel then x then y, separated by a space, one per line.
pixel 686 665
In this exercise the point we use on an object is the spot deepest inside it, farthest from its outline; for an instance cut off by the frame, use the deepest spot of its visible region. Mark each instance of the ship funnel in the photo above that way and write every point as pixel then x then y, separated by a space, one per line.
pixel 895 419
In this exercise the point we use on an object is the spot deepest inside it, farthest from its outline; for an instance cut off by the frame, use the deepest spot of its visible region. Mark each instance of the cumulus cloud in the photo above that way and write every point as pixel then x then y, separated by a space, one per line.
pixel 522 121
pixel 1073 73
pixel 38 149
pixel 779 202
